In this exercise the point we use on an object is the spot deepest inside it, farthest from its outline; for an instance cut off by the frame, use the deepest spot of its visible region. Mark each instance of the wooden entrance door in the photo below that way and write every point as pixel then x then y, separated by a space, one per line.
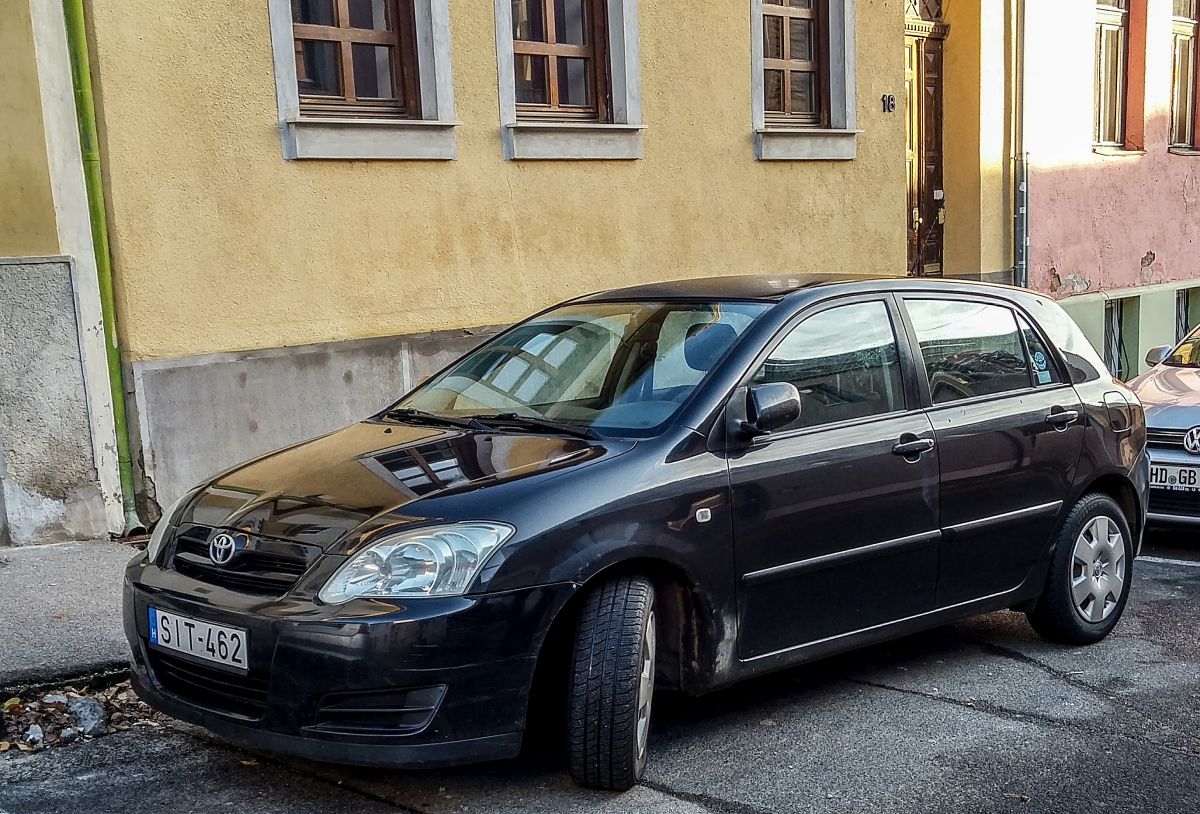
pixel 923 154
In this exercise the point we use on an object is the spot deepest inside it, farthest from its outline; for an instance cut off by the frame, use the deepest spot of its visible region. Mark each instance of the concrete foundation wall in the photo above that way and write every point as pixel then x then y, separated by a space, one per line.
pixel 200 415
pixel 1149 318
pixel 50 489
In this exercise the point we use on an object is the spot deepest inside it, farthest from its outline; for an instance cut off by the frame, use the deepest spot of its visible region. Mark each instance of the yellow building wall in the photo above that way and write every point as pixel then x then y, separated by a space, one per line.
pixel 221 245
pixel 976 112
pixel 27 222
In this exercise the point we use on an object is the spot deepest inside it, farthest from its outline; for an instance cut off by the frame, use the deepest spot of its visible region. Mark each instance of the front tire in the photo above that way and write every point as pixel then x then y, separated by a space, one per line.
pixel 1090 573
pixel 612 685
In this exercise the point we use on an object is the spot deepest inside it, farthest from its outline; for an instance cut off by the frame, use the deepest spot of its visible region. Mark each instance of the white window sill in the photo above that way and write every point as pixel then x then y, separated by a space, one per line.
pixel 369 139
pixel 1115 151
pixel 572 141
pixel 1183 151
pixel 805 144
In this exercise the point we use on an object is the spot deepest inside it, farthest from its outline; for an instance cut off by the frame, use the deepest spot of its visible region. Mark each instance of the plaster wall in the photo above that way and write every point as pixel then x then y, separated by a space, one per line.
pixel 221 245
pixel 27 224
pixel 976 109
pixel 48 475
pixel 1103 223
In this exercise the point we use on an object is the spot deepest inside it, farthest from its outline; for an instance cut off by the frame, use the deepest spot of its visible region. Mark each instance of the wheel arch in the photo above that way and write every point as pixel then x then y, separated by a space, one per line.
pixel 688 633
pixel 1121 489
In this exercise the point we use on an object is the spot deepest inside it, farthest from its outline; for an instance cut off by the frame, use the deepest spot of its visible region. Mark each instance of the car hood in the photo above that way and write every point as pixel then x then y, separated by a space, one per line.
pixel 1170 396
pixel 334 489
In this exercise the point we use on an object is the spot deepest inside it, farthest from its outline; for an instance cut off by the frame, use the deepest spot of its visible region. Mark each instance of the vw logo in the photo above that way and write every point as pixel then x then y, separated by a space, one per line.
pixel 222 548
pixel 1191 440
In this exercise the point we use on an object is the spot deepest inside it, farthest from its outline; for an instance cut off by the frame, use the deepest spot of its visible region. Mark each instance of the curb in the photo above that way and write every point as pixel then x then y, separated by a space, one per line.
pixel 103 673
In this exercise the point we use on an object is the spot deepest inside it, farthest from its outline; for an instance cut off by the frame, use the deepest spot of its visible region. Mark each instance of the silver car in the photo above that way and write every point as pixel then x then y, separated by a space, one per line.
pixel 1170 392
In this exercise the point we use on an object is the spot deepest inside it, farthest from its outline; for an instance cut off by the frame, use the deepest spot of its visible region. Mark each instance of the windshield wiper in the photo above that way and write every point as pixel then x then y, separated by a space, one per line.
pixel 534 423
pixel 421 417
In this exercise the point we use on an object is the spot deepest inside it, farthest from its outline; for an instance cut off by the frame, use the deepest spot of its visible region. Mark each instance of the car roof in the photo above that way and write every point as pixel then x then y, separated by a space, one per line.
pixel 773 288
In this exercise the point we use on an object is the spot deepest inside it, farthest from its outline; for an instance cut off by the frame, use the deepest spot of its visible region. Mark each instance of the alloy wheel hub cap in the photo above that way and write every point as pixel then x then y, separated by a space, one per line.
pixel 1097 575
pixel 645 694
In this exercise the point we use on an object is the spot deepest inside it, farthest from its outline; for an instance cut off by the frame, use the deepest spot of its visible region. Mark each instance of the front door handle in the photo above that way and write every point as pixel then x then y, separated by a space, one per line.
pixel 913 449
pixel 1061 419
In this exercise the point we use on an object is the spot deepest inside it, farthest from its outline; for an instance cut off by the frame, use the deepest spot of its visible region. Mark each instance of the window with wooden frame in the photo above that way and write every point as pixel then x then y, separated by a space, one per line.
pixel 795 63
pixel 560 60
pixel 1184 107
pixel 1112 45
pixel 356 58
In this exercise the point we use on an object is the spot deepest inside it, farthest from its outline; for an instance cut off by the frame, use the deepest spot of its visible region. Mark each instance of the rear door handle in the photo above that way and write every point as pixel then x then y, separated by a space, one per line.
pixel 1061 419
pixel 913 449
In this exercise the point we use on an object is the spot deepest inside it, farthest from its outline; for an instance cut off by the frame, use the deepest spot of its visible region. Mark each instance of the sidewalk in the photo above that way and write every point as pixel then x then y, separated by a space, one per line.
pixel 60 610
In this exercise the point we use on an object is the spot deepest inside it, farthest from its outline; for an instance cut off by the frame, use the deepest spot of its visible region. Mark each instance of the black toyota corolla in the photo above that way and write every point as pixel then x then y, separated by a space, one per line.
pixel 678 485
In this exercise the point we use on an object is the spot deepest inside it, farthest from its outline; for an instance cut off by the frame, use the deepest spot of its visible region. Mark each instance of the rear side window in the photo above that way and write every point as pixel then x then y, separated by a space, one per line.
pixel 843 361
pixel 1041 363
pixel 1083 361
pixel 969 348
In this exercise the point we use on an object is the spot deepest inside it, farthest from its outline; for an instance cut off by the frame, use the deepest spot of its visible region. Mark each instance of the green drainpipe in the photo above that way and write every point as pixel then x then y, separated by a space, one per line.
pixel 89 141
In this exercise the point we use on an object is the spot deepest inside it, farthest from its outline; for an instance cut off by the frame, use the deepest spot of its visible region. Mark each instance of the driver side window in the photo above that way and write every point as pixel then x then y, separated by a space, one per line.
pixel 843 361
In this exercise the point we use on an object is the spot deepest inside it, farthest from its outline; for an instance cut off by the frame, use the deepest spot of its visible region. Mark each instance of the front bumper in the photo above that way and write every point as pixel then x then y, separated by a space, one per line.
pixel 1173 507
pixel 419 683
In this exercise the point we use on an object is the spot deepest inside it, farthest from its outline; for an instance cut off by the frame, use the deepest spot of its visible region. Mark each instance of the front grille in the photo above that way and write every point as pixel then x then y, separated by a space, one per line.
pixel 389 712
pixel 1165 439
pixel 262 566
pixel 1171 502
pixel 244 695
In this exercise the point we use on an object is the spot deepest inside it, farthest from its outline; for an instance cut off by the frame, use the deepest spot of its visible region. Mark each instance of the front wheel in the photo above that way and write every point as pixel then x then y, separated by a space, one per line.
pixel 612 685
pixel 1090 573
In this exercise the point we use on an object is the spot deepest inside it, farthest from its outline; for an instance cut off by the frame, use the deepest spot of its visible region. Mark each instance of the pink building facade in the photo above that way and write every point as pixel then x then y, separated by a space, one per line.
pixel 1109 130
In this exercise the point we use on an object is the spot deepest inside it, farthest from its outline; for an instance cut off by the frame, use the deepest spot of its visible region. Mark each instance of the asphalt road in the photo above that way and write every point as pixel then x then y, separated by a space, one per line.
pixel 979 716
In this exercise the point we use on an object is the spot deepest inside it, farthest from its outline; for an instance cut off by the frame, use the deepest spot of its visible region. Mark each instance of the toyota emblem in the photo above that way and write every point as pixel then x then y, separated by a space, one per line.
pixel 222 548
pixel 1191 440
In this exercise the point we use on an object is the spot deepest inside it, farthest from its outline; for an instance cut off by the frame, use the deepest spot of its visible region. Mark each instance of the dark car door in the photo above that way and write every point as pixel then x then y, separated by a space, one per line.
pixel 1009 433
pixel 834 528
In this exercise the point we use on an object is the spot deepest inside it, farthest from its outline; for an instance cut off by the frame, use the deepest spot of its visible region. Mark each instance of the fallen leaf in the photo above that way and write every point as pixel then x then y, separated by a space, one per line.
pixel 5 746
pixel 251 762
pixel 12 705
pixel 24 747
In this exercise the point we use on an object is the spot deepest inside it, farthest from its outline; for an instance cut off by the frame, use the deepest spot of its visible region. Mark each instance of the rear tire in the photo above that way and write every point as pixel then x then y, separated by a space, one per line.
pixel 612 685
pixel 1090 574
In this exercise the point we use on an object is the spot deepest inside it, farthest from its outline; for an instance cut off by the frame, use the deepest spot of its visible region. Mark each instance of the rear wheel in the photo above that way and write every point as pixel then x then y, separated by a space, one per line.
pixel 612 685
pixel 1090 572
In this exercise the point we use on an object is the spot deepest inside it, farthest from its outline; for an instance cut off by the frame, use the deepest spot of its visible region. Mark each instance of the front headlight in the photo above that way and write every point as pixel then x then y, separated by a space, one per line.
pixel 164 524
pixel 428 561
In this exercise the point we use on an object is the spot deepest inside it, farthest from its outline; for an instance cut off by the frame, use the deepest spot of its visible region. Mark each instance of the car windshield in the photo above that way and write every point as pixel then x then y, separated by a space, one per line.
pixel 1187 354
pixel 622 368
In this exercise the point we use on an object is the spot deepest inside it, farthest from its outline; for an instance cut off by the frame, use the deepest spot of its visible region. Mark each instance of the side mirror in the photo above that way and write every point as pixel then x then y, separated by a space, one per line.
pixel 770 407
pixel 1157 354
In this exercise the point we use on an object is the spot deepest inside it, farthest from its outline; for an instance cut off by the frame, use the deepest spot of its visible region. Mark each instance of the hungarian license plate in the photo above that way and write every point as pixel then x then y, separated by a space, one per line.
pixel 224 645
pixel 1180 478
